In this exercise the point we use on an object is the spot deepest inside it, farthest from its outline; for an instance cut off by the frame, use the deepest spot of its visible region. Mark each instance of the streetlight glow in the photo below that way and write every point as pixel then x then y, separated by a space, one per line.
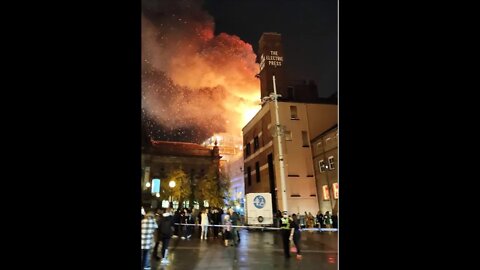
pixel 172 184
pixel 147 184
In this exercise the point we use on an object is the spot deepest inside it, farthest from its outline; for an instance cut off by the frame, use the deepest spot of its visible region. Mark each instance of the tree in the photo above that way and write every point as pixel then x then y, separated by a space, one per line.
pixel 213 187
pixel 182 189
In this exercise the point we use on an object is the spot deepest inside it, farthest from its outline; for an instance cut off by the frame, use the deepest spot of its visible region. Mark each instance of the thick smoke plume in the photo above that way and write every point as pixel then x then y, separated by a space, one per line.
pixel 193 82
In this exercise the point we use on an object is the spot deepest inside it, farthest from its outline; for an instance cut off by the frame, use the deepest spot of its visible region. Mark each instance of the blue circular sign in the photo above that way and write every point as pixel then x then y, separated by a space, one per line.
pixel 259 201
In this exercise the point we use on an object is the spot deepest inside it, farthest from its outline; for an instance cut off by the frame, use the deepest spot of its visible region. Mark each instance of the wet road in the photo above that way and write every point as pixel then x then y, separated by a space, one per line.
pixel 257 250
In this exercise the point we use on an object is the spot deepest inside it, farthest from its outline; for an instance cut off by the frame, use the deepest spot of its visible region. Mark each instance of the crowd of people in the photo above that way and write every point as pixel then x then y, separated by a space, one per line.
pixel 308 220
pixel 159 226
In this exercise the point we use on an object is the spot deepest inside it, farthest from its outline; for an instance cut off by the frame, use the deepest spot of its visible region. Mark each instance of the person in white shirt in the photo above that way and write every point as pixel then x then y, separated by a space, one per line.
pixel 204 222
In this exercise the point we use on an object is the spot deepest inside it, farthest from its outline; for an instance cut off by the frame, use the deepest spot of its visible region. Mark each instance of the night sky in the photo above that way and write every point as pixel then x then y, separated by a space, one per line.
pixel 308 28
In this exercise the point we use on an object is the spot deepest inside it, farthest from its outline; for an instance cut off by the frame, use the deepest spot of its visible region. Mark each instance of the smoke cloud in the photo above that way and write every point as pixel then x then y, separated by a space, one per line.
pixel 194 83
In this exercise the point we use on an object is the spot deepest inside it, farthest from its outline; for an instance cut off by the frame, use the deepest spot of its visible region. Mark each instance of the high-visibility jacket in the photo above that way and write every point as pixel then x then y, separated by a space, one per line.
pixel 285 223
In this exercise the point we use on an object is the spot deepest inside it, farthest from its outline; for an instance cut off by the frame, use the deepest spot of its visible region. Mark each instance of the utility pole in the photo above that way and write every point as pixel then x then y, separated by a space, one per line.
pixel 279 133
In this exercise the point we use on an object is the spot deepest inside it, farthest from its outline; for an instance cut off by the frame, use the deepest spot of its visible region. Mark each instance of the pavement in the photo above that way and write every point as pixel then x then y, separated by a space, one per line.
pixel 257 250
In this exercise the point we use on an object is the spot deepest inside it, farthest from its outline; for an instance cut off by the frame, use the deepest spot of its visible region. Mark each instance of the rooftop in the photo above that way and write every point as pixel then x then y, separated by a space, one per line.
pixel 178 149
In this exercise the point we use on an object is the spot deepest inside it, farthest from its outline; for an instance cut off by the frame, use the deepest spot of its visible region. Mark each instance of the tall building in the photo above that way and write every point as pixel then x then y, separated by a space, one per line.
pixel 302 116
pixel 270 58
pixel 272 62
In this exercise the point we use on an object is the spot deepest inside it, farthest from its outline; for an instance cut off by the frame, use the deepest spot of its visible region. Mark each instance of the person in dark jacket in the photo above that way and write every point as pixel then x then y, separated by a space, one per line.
pixel 295 234
pixel 158 239
pixel 165 229
pixel 319 219
pixel 215 219
pixel 177 219
pixel 235 219
pixel 335 221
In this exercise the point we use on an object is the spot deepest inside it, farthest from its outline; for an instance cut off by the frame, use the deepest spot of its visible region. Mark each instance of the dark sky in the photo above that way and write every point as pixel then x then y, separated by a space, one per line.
pixel 308 28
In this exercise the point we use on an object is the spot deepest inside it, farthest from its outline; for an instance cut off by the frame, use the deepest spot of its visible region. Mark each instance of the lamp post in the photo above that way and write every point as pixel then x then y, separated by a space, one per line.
pixel 171 184
pixel 279 133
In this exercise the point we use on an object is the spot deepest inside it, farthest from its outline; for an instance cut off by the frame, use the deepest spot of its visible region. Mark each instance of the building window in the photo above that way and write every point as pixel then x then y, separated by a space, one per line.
pixel 319 148
pixel 291 92
pixel 165 204
pixel 249 176
pixel 305 139
pixel 326 194
pixel 257 171
pixel 256 144
pixel 293 112
pixel 247 150
pixel 321 165
pixel 335 190
pixel 331 162
pixel 288 135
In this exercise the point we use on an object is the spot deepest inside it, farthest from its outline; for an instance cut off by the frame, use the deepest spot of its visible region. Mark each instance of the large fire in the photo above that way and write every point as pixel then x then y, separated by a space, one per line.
pixel 192 79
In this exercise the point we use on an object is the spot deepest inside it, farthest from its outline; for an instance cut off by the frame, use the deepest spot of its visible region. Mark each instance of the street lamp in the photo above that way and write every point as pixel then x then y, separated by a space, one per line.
pixel 171 184
pixel 279 133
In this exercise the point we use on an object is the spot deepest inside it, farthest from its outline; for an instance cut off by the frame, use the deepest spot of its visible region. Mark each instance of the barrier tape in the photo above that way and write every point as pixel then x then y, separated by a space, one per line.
pixel 260 227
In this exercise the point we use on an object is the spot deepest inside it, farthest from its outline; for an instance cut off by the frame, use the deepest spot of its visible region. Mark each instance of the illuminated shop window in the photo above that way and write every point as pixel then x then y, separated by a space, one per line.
pixel 326 193
pixel 335 190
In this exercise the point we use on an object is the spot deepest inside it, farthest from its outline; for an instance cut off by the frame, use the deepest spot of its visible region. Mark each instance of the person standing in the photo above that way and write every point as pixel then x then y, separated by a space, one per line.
pixel 157 236
pixel 235 219
pixel 278 218
pixel 148 228
pixel 177 220
pixel 204 222
pixel 285 232
pixel 295 234
pixel 228 229
pixel 319 219
pixel 184 219
pixel 328 220
pixel 165 230
pixel 216 218
pixel 335 221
